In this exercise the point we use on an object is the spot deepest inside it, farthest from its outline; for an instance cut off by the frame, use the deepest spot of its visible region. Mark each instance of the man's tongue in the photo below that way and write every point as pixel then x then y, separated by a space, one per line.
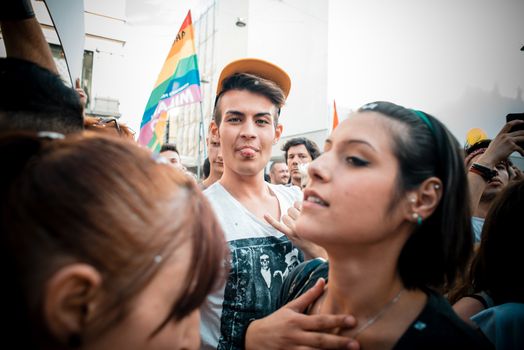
pixel 247 152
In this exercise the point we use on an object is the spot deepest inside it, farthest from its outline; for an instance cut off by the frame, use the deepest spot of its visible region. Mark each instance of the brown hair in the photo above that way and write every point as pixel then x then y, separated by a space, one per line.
pixel 102 201
pixel 253 84
pixel 108 126
pixel 495 269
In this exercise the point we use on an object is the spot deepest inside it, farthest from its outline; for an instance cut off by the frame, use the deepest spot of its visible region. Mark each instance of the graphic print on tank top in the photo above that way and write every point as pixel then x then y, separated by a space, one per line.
pixel 258 267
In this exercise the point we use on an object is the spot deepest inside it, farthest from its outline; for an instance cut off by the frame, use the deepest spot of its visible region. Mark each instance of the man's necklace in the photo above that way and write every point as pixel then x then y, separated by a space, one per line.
pixel 379 314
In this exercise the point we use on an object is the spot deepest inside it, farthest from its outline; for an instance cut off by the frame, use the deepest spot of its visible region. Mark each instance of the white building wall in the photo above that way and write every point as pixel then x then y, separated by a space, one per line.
pixel 293 34
pixel 106 36
pixel 231 41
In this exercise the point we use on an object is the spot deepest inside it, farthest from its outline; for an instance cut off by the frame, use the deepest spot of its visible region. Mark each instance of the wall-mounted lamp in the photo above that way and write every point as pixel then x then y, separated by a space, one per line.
pixel 241 22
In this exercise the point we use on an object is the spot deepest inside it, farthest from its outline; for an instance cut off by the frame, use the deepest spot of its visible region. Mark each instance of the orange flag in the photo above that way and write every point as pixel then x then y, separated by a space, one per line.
pixel 335 115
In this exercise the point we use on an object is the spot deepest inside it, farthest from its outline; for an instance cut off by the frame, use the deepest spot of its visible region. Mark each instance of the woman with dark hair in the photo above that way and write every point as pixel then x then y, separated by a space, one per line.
pixel 388 202
pixel 102 246
pixel 496 276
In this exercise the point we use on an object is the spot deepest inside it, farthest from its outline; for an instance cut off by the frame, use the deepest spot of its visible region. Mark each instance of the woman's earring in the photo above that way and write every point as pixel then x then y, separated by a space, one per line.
pixel 417 217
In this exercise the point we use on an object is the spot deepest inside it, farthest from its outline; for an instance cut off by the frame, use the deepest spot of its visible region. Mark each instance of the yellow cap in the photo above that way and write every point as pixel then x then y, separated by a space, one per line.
pixel 475 135
pixel 258 67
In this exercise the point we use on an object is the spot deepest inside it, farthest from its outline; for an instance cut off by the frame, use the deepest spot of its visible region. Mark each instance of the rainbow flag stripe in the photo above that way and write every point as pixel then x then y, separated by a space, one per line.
pixel 178 84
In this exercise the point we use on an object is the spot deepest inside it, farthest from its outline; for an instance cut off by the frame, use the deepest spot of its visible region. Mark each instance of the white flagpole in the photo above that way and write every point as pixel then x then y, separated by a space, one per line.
pixel 201 137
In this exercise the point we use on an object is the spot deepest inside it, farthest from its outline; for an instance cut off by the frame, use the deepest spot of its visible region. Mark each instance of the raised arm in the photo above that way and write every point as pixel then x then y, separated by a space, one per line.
pixel 23 36
pixel 505 143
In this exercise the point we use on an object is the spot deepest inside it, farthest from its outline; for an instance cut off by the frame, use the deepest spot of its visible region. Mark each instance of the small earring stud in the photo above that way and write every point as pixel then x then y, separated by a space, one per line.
pixel 437 187
pixel 417 217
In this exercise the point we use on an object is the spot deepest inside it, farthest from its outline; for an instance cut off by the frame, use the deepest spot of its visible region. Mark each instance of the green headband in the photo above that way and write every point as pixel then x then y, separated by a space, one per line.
pixel 425 119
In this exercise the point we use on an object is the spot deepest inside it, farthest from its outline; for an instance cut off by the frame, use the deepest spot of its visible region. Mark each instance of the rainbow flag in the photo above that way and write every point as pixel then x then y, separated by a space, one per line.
pixel 178 84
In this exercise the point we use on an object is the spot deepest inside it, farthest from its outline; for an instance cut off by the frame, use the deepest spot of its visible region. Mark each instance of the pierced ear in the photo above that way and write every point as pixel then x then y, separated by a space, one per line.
pixel 69 299
pixel 427 198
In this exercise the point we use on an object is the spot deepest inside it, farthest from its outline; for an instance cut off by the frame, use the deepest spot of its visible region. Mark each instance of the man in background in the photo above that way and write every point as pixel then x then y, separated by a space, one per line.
pixel 299 150
pixel 279 173
pixel 215 160
pixel 170 152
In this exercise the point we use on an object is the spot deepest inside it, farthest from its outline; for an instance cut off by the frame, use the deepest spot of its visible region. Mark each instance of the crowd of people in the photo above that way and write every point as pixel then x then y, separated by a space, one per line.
pixel 392 237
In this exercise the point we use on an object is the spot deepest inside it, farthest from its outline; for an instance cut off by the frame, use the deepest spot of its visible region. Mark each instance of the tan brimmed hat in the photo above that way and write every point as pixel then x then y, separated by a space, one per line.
pixel 258 67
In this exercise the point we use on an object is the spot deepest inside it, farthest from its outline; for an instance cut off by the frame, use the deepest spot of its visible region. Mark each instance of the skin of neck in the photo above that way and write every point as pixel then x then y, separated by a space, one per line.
pixel 296 181
pixel 363 279
pixel 482 210
pixel 244 186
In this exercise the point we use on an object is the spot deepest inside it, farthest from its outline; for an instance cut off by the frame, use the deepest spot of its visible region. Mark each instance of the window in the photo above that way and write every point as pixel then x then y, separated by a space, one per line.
pixel 87 70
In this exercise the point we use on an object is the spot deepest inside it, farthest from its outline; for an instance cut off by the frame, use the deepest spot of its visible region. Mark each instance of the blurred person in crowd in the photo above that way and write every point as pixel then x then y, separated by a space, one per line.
pixel 103 247
pixel 279 173
pixel 170 152
pixel 515 174
pixel 496 303
pixel 388 198
pixel 216 162
pixel 299 150
pixel 489 170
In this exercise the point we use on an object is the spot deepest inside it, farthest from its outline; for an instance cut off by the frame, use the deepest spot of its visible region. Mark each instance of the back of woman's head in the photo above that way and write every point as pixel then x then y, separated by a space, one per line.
pixel 497 267
pixel 104 202
pixel 425 148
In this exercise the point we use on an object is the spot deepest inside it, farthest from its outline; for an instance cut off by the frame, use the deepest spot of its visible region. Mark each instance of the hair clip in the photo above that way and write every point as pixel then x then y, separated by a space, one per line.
pixel 425 119
pixel 369 106
pixel 50 135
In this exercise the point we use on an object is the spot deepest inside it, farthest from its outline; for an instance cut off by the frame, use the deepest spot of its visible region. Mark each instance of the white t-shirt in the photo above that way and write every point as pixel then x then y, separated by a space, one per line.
pixel 254 245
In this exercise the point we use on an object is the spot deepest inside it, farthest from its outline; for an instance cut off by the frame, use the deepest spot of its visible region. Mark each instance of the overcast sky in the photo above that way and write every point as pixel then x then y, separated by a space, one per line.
pixel 460 59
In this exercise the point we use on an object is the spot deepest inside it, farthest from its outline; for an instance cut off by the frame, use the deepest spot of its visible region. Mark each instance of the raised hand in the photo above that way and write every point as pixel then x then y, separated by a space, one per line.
pixel 288 328
pixel 288 227
pixel 505 143
pixel 81 93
